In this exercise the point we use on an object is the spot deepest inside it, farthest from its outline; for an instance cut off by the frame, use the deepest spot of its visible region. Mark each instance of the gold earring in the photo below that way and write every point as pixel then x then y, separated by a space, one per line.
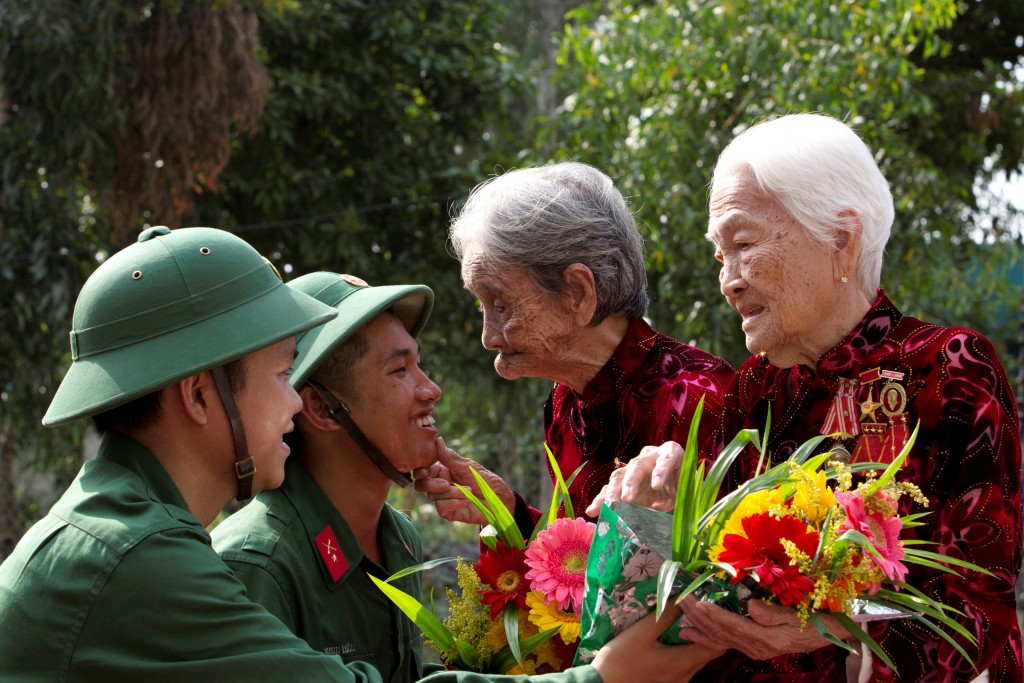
pixel 844 278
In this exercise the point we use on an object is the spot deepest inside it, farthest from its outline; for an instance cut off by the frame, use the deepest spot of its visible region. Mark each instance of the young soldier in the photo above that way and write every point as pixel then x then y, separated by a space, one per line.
pixel 305 551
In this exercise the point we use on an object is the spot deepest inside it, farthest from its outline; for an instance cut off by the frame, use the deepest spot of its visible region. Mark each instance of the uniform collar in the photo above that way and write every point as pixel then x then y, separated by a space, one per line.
pixel 317 514
pixel 128 453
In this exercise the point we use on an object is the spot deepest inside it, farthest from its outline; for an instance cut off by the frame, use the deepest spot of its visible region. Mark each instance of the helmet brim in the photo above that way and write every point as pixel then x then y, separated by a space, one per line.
pixel 103 381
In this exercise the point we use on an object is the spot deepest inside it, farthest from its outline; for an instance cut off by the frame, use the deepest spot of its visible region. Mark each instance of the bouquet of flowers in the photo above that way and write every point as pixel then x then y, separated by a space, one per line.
pixel 517 610
pixel 799 534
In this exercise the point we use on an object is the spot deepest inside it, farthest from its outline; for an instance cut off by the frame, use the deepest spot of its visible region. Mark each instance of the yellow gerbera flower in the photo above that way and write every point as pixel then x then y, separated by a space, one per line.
pixel 813 498
pixel 549 616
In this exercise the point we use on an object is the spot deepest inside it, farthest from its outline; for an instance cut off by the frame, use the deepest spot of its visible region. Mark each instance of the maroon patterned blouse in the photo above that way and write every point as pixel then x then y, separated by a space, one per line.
pixel 644 395
pixel 967 460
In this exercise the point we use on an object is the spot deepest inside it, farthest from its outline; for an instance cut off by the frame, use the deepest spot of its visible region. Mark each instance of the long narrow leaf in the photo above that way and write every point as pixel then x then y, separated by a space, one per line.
pixel 422 566
pixel 511 616
pixel 666 578
pixel 945 559
pixel 822 628
pixel 503 661
pixel 861 635
pixel 561 488
pixel 424 619
pixel 684 515
pixel 720 468
pixel 894 467
pixel 504 522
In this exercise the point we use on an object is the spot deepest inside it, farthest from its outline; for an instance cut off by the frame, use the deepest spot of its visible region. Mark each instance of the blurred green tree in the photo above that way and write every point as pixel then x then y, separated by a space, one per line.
pixel 655 90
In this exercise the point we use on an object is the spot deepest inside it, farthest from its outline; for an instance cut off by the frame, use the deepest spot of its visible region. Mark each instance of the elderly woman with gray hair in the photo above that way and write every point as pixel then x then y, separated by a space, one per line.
pixel 555 258
pixel 799 217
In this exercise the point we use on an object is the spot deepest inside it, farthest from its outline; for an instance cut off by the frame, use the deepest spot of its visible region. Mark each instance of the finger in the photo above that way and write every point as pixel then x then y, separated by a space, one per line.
pixel 637 474
pixel 594 509
pixel 772 615
pixel 669 461
pixel 433 485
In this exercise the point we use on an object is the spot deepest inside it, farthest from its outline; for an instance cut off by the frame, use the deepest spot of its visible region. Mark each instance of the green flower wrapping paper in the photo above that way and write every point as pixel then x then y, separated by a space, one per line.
pixel 627 551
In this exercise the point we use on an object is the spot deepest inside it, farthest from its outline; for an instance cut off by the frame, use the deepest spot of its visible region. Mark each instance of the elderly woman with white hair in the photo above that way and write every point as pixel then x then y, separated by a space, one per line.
pixel 555 259
pixel 799 217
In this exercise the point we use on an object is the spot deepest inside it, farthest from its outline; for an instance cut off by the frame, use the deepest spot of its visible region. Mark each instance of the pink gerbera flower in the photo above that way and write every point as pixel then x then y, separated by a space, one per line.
pixel 882 530
pixel 557 561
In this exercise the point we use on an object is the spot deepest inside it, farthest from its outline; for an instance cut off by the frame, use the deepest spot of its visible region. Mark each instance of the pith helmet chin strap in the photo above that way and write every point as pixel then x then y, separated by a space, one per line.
pixel 245 466
pixel 340 413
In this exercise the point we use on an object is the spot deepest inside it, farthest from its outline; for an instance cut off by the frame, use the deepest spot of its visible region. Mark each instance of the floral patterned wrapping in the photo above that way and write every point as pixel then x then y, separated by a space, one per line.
pixel 643 396
pixel 622 576
pixel 967 461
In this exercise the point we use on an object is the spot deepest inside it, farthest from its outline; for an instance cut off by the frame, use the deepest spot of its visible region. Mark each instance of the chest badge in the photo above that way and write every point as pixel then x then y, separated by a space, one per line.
pixel 330 552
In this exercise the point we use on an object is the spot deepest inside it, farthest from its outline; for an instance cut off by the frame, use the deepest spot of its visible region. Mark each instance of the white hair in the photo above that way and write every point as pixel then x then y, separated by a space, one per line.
pixel 819 170
pixel 545 219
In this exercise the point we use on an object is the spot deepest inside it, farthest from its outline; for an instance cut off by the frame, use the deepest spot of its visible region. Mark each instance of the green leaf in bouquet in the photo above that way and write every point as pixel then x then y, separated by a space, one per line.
pixel 909 521
pixel 666 578
pixel 422 566
pixel 560 493
pixel 702 579
pixel 495 512
pixel 896 464
pixel 819 624
pixel 922 605
pixel 421 616
pixel 826 532
pixel 861 635
pixel 685 514
pixel 502 661
pixel 489 537
pixel 510 615
pixel 720 468
pixel 468 655
pixel 921 556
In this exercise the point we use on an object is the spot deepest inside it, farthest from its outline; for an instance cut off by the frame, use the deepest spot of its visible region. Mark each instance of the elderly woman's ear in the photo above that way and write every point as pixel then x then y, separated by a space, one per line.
pixel 847 241
pixel 579 293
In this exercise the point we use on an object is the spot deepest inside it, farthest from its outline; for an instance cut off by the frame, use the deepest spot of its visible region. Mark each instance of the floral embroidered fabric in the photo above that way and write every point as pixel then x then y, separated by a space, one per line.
pixel 967 461
pixel 644 395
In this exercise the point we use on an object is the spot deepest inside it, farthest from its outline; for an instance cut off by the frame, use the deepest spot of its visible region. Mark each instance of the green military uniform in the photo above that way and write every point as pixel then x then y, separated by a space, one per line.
pixel 119 582
pixel 298 558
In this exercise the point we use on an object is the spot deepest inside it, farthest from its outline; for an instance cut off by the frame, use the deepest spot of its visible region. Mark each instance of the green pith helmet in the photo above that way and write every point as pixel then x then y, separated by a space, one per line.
pixel 357 304
pixel 171 305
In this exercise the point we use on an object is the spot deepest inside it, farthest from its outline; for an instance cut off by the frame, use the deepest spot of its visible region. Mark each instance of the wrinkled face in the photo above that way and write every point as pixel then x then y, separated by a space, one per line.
pixel 529 328
pixel 773 274
pixel 392 399
pixel 267 404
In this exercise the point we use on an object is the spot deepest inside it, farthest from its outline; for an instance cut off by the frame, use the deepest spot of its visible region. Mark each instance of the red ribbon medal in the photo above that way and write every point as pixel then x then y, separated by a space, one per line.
pixel 330 553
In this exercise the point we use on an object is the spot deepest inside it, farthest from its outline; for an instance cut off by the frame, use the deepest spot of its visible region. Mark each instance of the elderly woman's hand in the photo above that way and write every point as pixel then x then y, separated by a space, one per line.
pixel 649 479
pixel 770 631
pixel 451 468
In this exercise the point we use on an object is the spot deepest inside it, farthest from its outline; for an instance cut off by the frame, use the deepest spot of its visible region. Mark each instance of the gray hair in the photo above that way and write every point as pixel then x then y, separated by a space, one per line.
pixel 819 170
pixel 547 218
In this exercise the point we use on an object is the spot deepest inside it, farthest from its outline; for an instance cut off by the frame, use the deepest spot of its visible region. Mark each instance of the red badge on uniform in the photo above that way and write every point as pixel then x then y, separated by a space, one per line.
pixel 330 553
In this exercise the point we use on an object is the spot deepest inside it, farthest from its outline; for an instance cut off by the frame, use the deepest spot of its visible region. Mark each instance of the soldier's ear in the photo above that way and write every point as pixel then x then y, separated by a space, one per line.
pixel 195 396
pixel 314 411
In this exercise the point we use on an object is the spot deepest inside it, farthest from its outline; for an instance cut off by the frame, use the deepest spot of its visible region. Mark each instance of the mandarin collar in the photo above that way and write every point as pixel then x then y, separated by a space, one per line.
pixel 850 354
pixel 629 355
pixel 128 453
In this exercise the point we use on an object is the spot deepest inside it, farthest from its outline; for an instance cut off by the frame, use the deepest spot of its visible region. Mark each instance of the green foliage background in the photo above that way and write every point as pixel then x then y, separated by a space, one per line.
pixel 383 115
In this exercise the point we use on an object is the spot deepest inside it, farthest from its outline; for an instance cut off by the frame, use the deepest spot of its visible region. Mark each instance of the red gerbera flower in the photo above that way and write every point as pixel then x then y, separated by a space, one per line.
pixel 504 570
pixel 761 553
